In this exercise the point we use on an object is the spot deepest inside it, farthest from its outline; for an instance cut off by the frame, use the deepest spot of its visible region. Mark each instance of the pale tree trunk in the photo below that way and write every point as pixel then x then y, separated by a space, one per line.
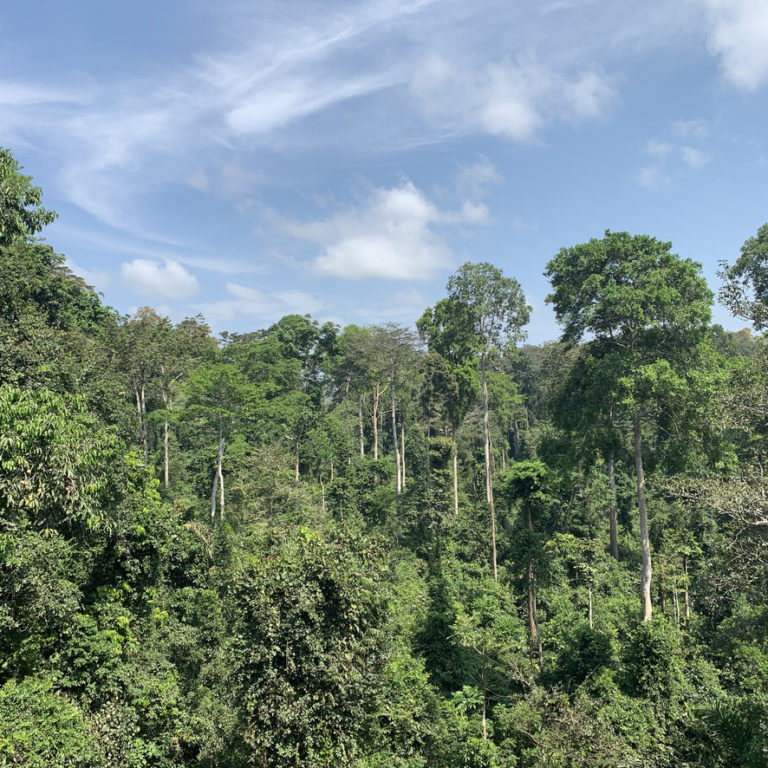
pixel 375 418
pixel 218 479
pixel 589 596
pixel 144 440
pixel 221 479
pixel 402 449
pixel 455 475
pixel 685 592
pixel 296 461
pixel 533 620
pixel 322 492
pixel 485 716
pixel 644 540
pixel 331 477
pixel 675 602
pixel 488 478
pixel 165 454
pixel 395 443
pixel 613 510
pixel 360 422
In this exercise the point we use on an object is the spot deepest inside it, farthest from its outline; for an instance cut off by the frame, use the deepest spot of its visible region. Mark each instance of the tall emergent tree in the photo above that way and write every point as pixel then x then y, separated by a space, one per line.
pixel 745 287
pixel 647 309
pixel 498 313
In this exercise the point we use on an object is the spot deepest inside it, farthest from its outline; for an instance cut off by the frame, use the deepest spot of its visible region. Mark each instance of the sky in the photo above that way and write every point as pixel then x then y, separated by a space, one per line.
pixel 248 160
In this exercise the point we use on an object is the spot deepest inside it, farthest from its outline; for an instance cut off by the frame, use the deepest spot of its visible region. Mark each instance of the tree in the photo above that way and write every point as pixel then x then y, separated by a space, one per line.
pixel 648 308
pixel 498 312
pixel 21 212
pixel 745 287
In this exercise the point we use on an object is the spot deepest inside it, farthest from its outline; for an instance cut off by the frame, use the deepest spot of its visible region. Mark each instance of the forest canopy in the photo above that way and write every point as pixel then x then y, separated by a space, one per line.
pixel 379 546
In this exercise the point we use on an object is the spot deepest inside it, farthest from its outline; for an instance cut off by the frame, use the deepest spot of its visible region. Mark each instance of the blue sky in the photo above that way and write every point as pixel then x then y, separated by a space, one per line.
pixel 246 160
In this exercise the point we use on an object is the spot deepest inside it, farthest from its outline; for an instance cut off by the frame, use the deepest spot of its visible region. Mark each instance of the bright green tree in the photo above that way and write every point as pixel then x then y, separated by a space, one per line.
pixel 649 308
pixel 497 312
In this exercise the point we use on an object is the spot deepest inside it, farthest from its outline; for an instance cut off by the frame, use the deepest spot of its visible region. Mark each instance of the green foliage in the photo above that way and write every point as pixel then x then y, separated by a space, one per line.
pixel 42 728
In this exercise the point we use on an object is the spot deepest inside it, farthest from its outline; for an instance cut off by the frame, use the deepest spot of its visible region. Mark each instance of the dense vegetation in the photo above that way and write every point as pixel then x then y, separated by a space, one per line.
pixel 308 546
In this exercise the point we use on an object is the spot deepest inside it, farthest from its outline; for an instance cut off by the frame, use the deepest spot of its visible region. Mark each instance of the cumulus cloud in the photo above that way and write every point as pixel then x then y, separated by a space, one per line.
pixel 691 129
pixel 394 233
pixel 739 36
pixel 694 158
pixel 169 280
pixel 652 176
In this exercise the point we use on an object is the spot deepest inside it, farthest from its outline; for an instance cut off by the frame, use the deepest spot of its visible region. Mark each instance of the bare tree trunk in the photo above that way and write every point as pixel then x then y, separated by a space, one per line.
pixel 165 454
pixel 516 438
pixel 395 443
pixel 488 478
pixel 589 596
pixel 221 479
pixel 485 713
pixel 322 492
pixel 218 479
pixel 533 621
pixel 402 449
pixel 675 602
pixel 376 420
pixel 662 589
pixel 144 440
pixel 331 470
pixel 644 540
pixel 296 461
pixel 360 422
pixel 613 510
pixel 455 475
pixel 687 603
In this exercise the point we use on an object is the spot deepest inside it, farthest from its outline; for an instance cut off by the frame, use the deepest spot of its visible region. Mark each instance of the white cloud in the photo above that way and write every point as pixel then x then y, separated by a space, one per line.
pixel 691 129
pixel 652 176
pixel 512 99
pixel 263 307
pixel 657 148
pixel 393 234
pixel 473 180
pixel 739 36
pixel 694 158
pixel 169 280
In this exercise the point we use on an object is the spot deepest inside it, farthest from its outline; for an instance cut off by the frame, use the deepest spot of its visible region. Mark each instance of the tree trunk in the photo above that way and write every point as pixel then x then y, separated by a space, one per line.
pixel 675 602
pixel 402 450
pixel 455 475
pixel 662 589
pixel 589 597
pixel 488 478
pixel 331 478
pixel 144 440
pixel 643 509
pixel 613 510
pixel 360 422
pixel 218 479
pixel 516 438
pixel 395 443
pixel 533 621
pixel 165 454
pixel 685 592
pixel 376 420
pixel 296 462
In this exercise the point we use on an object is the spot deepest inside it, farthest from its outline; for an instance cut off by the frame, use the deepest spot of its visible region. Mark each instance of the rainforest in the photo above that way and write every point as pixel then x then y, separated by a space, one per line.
pixel 386 546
